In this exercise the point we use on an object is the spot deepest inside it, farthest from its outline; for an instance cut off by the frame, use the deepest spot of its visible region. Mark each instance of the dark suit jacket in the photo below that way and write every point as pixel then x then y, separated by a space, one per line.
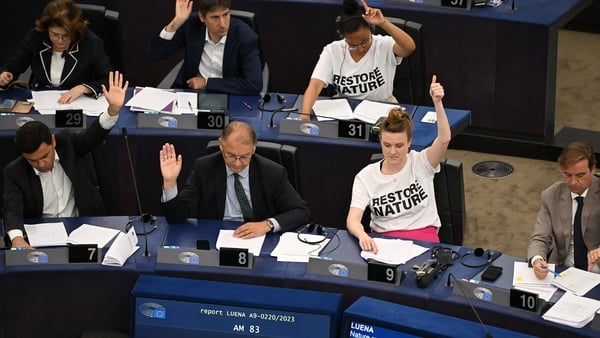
pixel 271 193
pixel 85 62
pixel 23 191
pixel 242 70
pixel 554 222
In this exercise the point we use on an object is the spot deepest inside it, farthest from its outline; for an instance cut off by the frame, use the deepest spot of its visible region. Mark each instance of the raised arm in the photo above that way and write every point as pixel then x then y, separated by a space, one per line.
pixel 405 45
pixel 437 150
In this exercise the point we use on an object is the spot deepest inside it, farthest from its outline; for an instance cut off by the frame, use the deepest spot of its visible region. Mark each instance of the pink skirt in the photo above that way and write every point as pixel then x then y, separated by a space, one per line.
pixel 428 234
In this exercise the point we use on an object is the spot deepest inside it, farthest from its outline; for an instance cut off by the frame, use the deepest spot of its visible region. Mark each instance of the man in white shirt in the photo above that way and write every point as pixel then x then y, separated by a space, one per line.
pixel 50 179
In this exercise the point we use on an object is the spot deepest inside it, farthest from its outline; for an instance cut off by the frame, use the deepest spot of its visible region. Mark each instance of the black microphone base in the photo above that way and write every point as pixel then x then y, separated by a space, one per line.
pixel 146 254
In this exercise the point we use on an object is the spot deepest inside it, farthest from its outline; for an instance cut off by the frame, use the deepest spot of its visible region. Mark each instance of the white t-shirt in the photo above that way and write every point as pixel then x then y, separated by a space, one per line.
pixel 371 78
pixel 401 201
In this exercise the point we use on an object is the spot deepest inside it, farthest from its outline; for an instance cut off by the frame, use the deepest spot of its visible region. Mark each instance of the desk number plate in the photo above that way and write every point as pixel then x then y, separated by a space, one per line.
pixel 524 300
pixel 352 129
pixel 71 118
pixel 234 257
pixel 382 273
pixel 212 120
pixel 83 253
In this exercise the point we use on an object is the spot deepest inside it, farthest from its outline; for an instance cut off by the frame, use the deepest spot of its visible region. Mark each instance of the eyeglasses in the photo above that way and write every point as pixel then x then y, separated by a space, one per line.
pixel 57 37
pixel 233 158
pixel 362 45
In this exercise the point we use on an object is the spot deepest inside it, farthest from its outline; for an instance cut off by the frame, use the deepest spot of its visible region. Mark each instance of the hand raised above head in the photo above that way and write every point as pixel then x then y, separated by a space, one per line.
pixel 373 16
pixel 115 94
pixel 436 90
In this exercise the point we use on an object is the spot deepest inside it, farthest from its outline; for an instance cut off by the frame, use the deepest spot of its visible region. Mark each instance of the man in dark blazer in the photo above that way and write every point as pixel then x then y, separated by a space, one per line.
pixel 221 53
pixel 554 231
pixel 50 178
pixel 210 190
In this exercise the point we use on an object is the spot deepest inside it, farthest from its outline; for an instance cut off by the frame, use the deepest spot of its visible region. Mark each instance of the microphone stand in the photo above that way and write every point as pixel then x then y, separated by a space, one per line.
pixel 282 110
pixel 449 284
pixel 143 217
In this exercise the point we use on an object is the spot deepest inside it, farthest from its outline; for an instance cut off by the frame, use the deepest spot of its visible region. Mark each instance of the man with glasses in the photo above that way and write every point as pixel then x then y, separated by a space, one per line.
pixel 233 184
pixel 360 65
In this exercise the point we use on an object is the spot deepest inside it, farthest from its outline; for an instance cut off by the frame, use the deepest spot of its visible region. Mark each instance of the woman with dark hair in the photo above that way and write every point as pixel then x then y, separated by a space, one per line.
pixel 399 189
pixel 63 54
pixel 361 65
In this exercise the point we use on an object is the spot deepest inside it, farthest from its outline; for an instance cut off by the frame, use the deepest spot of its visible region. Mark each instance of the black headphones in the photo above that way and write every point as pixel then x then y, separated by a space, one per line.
pixel 310 228
pixel 477 253
pixel 281 100
pixel 340 23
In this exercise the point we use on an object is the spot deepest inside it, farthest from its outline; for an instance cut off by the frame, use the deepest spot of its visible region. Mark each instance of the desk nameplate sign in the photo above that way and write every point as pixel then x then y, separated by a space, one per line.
pixel 489 293
pixel 335 129
pixel 453 4
pixel 167 121
pixel 189 256
pixel 40 256
pixel 69 118
pixel 348 269
pixel 13 122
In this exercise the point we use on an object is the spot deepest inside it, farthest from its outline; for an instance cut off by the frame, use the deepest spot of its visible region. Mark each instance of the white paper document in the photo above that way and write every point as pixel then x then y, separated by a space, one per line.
pixel 333 109
pixel 226 240
pixel 291 249
pixel 122 248
pixel 46 234
pixel 573 310
pixel 152 99
pixel 46 102
pixel 394 251
pixel 370 111
pixel 523 275
pixel 187 103
pixel 92 234
pixel 576 281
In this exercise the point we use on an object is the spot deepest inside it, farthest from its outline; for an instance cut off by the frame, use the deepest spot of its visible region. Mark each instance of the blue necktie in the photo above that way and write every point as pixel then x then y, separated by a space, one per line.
pixel 242 199
pixel 580 248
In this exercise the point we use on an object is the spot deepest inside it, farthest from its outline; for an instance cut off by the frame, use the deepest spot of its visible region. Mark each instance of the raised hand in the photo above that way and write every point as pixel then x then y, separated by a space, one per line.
pixel 436 90
pixel 170 166
pixel 373 16
pixel 115 95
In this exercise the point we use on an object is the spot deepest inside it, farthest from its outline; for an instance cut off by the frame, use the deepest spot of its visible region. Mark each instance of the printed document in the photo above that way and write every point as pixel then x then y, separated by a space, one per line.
pixel 92 234
pixel 572 310
pixel 291 249
pixel 46 234
pixel 394 251
pixel 122 248
pixel 226 240
pixel 576 281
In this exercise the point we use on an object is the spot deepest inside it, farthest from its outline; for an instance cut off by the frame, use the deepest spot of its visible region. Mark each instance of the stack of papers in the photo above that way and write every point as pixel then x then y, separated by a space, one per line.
pixel 576 281
pixel 291 249
pixel 367 111
pixel 163 101
pixel 123 247
pixel 572 310
pixel 55 234
pixel 524 279
pixel 226 240
pixel 46 102
pixel 394 251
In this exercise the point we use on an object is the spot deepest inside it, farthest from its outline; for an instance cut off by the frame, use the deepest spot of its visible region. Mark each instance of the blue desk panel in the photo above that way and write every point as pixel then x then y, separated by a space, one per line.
pixel 52 296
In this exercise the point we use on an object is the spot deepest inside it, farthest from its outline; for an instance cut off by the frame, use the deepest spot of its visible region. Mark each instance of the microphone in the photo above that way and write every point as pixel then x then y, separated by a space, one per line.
pixel 282 110
pixel 449 284
pixel 144 217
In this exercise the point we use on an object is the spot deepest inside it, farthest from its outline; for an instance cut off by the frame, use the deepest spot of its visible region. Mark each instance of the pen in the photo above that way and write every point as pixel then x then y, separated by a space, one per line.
pixel 247 105
pixel 190 105
pixel 474 281
pixel 556 274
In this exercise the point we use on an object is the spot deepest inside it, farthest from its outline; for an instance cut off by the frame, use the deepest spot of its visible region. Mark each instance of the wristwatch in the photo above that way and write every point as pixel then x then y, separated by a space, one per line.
pixel 271 225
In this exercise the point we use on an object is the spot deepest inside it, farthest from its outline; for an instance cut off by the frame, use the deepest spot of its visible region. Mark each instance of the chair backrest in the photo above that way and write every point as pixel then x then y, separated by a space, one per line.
pixel 449 197
pixel 106 24
pixel 284 154
pixel 409 82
